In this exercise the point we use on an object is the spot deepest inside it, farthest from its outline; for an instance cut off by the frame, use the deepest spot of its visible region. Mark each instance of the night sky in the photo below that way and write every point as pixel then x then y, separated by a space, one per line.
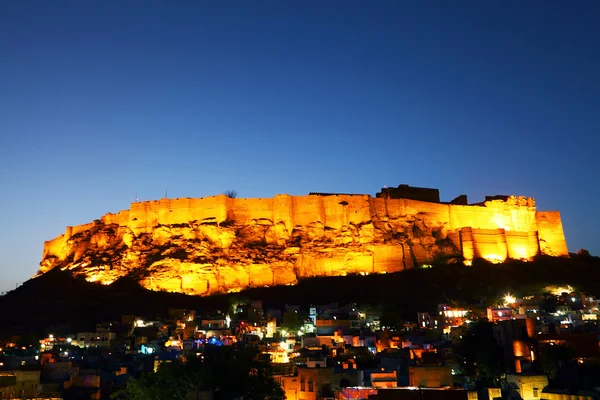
pixel 100 100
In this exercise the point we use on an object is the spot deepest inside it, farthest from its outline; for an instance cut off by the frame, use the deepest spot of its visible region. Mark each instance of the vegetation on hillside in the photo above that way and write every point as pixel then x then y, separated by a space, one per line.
pixel 58 301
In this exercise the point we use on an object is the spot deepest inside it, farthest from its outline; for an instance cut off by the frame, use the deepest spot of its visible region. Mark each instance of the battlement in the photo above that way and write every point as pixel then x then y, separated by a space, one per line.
pixel 335 194
pixel 332 210
pixel 432 195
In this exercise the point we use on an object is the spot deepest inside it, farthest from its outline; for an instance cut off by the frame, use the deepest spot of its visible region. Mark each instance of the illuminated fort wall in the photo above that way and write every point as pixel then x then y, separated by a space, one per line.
pixel 496 230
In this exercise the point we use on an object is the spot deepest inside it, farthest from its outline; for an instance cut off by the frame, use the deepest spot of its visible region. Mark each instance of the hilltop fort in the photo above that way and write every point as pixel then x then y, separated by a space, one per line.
pixel 221 244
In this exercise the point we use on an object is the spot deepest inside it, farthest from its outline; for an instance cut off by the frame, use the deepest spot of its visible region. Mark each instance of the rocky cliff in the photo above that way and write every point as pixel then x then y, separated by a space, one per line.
pixel 218 244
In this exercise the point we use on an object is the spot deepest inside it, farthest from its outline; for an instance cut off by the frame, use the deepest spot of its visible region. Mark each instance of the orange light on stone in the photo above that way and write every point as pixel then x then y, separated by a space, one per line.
pixel 521 253
pixel 224 245
pixel 494 258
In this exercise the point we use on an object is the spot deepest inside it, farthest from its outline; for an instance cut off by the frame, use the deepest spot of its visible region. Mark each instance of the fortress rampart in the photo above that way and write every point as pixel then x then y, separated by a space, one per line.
pixel 496 230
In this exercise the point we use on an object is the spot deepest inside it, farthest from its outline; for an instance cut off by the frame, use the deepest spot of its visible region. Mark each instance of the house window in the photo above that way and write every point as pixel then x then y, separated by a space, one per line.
pixel 302 384
pixel 536 392
pixel 311 387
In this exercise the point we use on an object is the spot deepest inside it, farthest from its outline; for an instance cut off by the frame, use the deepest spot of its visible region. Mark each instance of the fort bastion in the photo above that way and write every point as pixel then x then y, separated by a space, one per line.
pixel 220 244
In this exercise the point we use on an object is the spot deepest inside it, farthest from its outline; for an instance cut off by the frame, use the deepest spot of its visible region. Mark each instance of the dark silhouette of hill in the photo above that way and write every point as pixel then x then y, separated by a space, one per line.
pixel 58 301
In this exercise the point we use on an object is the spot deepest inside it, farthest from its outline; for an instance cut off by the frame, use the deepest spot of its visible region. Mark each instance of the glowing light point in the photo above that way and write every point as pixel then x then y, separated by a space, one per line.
pixel 509 299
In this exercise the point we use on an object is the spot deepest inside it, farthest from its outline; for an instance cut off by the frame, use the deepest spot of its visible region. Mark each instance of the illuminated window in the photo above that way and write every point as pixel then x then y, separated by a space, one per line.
pixel 536 392
pixel 499 313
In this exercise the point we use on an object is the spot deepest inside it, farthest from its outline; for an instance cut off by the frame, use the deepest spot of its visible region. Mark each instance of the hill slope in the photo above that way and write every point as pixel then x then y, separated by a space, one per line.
pixel 58 298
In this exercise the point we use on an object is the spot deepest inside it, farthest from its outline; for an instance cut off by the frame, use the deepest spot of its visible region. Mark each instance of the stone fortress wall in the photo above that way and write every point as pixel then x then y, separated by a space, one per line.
pixel 495 230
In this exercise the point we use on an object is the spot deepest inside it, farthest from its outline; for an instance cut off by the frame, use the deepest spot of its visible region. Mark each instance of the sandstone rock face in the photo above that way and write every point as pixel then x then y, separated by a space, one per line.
pixel 218 244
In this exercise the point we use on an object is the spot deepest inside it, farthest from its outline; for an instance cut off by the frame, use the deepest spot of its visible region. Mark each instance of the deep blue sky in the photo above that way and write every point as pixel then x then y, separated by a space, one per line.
pixel 103 99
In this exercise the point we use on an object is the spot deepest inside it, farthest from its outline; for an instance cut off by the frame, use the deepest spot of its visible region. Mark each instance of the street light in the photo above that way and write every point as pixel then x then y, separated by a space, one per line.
pixel 509 299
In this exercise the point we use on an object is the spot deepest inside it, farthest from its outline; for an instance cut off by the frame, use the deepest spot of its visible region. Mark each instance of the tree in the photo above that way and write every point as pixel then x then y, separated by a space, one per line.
pixel 171 381
pixel 28 340
pixel 391 319
pixel 548 303
pixel 480 352
pixel 292 321
pixel 583 253
pixel 554 357
pixel 232 194
pixel 228 371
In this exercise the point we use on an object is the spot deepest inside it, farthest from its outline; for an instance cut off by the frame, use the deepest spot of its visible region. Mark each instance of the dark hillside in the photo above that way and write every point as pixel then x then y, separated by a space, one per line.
pixel 56 299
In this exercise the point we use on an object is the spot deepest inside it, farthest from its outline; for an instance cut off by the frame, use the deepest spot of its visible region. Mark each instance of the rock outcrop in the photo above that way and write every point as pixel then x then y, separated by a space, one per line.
pixel 219 244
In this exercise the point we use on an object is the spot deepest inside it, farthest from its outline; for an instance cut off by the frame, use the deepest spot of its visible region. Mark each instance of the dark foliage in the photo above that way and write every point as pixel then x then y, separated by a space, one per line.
pixel 480 352
pixel 59 298
pixel 229 372
pixel 554 358
pixel 232 194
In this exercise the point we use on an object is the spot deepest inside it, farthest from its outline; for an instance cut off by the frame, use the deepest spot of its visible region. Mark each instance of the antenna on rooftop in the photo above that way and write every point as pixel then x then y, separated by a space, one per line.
pixel 166 193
